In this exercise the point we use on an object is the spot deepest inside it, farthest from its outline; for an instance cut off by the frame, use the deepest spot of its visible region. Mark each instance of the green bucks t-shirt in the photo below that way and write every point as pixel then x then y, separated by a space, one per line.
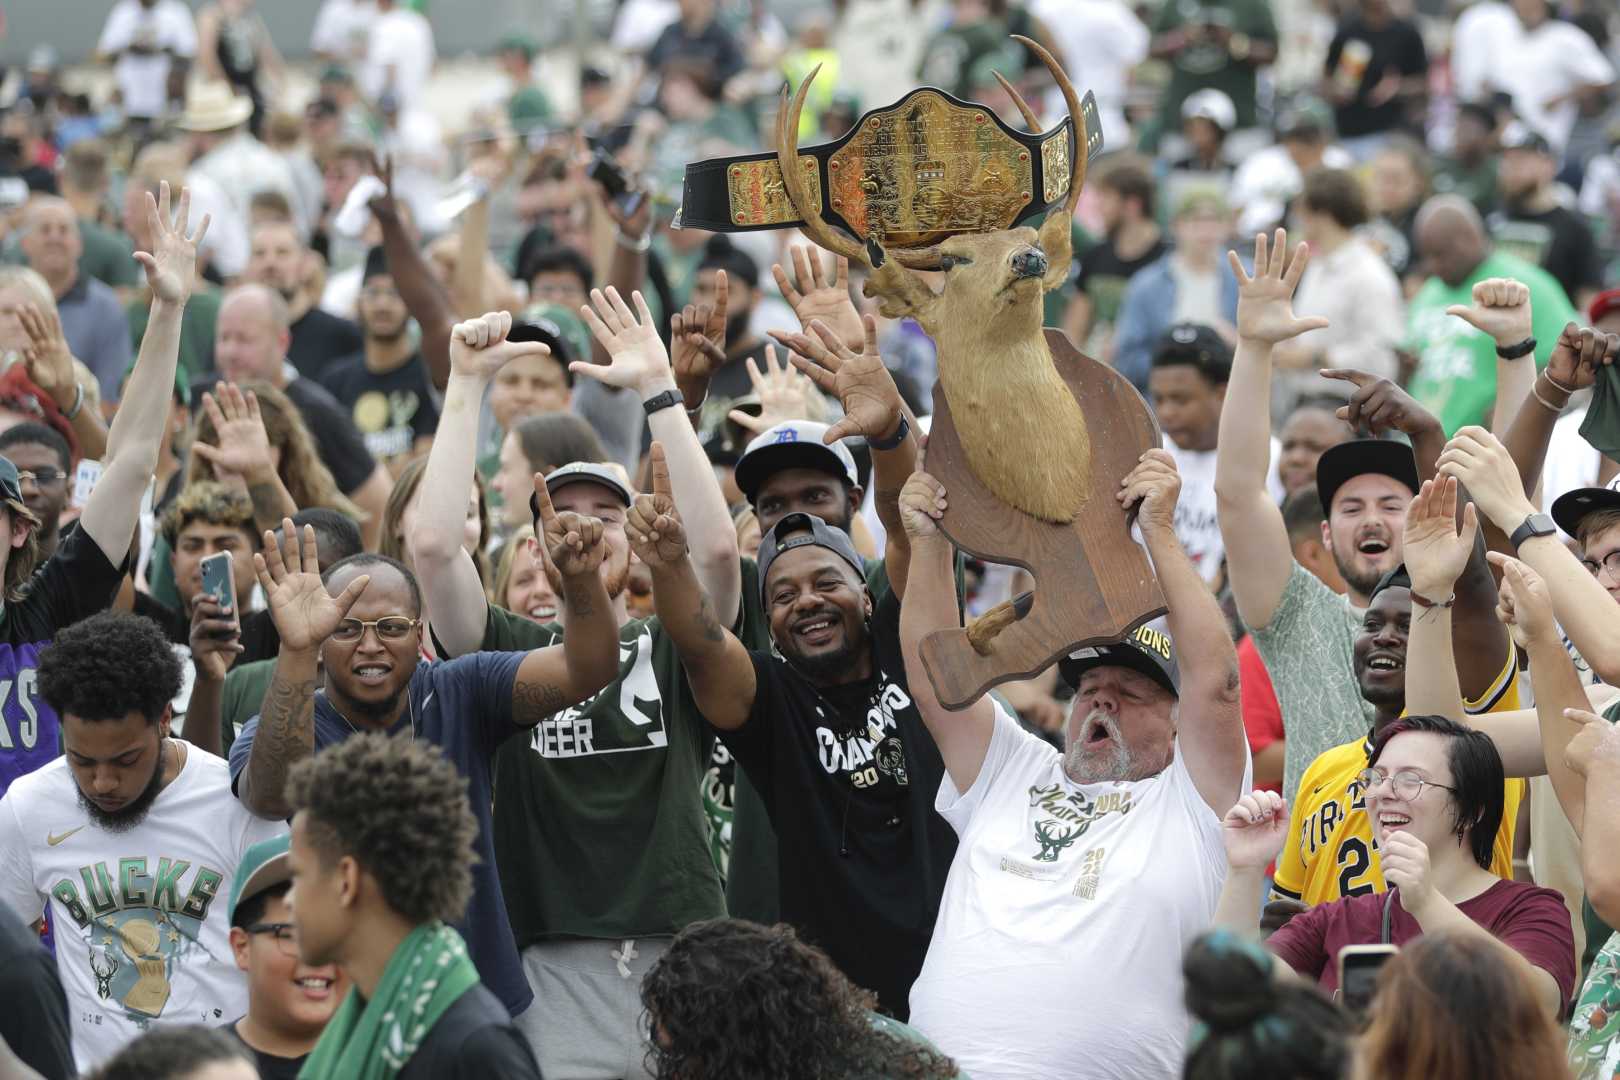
pixel 598 827
pixel 1456 371
pixel 1209 63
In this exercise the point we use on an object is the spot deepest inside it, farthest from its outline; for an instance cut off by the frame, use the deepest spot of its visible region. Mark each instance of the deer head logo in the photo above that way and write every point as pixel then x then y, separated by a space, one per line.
pixel 1052 842
pixel 104 976
pixel 1022 429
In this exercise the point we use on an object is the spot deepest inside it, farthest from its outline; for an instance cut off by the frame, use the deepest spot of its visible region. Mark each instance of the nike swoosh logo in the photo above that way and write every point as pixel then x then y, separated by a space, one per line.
pixel 56 838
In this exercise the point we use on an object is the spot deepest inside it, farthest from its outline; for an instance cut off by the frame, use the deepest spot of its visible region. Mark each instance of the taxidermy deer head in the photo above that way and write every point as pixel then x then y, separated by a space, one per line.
pixel 1022 429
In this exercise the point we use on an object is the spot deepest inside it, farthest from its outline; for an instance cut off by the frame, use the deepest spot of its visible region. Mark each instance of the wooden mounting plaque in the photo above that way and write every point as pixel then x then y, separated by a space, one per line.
pixel 1093 583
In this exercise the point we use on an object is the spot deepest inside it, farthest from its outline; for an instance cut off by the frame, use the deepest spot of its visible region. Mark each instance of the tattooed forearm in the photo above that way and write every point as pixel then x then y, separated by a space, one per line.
pixel 271 504
pixel 285 737
pixel 532 702
pixel 707 623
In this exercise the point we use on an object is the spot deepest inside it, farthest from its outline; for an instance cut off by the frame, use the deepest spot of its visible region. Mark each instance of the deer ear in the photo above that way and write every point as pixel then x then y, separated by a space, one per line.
pixel 1057 240
pixel 902 293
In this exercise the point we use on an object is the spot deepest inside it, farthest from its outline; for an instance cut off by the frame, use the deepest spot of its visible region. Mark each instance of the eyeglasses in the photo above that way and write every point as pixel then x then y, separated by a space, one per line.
pixel 1609 562
pixel 47 477
pixel 1407 784
pixel 281 932
pixel 389 628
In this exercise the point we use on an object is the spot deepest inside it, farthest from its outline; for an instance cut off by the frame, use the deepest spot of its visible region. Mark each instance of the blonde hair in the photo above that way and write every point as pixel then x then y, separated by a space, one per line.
pixel 392 541
pixel 307 478
pixel 508 564
pixel 29 281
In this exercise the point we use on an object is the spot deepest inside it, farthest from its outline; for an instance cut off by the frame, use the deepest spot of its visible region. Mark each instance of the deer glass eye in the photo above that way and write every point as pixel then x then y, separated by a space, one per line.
pixel 951 262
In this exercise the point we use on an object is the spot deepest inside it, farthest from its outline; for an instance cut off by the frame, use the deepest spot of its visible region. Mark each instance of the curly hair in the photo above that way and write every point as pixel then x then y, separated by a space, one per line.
pixel 400 808
pixel 307 478
pixel 734 1000
pixel 210 502
pixel 167 1052
pixel 107 666
pixel 406 485
pixel 1252 1025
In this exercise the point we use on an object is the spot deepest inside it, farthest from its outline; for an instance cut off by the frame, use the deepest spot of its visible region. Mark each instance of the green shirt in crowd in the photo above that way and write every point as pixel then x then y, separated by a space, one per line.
pixel 197 325
pixel 107 256
pixel 1210 63
pixel 1456 370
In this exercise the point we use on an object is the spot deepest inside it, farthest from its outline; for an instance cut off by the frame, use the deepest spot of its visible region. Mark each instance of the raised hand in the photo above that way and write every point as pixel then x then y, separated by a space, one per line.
pixel 1598 741
pixel 243 449
pixel 383 205
pixel 1152 488
pixel 572 541
pixel 216 638
pixel 654 525
pixel 636 355
pixel 1265 312
pixel 1501 309
pixel 305 614
pixel 1478 459
pixel 783 395
pixel 922 504
pixel 817 296
pixel 1578 355
pixel 1254 830
pixel 478 347
pixel 171 265
pixel 1435 550
pixel 697 336
pixel 1523 604
pixel 49 360
pixel 872 404
pixel 1379 405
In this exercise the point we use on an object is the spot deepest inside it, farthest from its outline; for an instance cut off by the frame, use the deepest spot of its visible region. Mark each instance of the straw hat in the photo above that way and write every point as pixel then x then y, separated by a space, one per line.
pixel 211 106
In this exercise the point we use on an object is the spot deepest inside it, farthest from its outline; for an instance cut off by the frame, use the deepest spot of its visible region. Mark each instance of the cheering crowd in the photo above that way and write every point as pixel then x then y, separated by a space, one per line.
pixel 457 622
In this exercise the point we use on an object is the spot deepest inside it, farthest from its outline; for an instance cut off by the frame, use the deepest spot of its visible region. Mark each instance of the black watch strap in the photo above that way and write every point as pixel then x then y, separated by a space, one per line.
pixel 1514 352
pixel 1534 525
pixel 893 441
pixel 662 401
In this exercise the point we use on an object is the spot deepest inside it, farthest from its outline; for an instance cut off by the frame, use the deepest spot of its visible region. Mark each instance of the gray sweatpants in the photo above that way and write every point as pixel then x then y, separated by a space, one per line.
pixel 585 1023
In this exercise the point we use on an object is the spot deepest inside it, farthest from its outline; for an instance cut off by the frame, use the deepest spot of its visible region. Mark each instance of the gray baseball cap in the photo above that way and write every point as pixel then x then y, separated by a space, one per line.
pixel 805 530
pixel 581 472
pixel 796 444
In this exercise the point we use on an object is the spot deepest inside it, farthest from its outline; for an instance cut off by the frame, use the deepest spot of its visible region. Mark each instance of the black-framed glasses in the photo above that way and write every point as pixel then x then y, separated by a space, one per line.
pixel 389 628
pixel 1609 562
pixel 1407 784
pixel 41 477
pixel 281 933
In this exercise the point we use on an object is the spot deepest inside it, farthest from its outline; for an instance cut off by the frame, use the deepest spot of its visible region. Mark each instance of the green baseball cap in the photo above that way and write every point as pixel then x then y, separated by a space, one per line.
pixel 265 864
pixel 518 41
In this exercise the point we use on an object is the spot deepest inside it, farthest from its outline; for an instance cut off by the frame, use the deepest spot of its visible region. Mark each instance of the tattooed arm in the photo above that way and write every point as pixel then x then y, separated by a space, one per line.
pixel 285 737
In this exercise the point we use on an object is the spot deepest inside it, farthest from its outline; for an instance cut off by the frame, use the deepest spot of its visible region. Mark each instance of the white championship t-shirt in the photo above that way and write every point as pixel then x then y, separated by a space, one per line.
pixel 1057 951
pixel 139 917
pixel 1197 524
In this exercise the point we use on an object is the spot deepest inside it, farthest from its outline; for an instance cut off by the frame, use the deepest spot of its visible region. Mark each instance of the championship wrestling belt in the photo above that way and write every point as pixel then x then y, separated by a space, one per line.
pixel 911 174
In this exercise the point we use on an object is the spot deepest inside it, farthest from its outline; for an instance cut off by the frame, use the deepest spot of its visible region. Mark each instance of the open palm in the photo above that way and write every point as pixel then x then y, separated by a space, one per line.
pixel 1434 550
pixel 243 447
pixel 171 265
pixel 860 381
pixel 817 296
pixel 305 614
pixel 636 354
pixel 1265 310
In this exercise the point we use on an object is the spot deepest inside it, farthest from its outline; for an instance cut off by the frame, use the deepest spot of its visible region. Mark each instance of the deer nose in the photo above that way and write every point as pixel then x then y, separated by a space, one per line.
pixel 1031 262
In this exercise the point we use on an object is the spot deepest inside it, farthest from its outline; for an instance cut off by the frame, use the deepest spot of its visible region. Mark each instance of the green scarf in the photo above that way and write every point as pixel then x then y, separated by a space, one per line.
pixel 1601 427
pixel 426 975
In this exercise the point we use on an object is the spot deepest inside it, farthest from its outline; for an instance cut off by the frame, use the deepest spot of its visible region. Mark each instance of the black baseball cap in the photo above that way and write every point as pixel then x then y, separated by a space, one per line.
pixel 1397 578
pixel 794 444
pixel 1340 464
pixel 11 489
pixel 580 472
pixel 1572 506
pixel 1519 136
pixel 1198 345
pixel 805 530
pixel 1146 650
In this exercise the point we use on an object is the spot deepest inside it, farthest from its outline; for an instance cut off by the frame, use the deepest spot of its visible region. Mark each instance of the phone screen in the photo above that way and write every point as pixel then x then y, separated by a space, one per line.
pixel 218 580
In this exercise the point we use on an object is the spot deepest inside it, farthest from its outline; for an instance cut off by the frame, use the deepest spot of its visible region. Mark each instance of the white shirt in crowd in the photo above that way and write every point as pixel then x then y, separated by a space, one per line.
pixel 1105 40
pixel 343 28
pixel 1268 179
pixel 241 167
pixel 401 48
pixel 1571 461
pixel 1197 526
pixel 1493 51
pixel 1360 296
pixel 1057 951
pixel 139 917
pixel 143 80
pixel 227 245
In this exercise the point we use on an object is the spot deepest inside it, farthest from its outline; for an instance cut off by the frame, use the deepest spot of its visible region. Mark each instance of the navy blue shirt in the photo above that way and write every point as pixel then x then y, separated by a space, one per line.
pixel 464 707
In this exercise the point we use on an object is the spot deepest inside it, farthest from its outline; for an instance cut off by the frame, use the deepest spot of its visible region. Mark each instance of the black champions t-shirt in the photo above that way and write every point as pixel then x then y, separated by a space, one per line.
pixel 849 775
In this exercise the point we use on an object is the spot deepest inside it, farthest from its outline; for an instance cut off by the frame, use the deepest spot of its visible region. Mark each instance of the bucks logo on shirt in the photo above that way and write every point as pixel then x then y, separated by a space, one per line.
pixel 1060 817
pixel 141 921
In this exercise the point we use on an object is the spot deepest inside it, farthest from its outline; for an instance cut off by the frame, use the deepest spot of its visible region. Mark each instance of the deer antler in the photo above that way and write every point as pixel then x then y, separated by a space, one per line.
pixel 1071 101
pixel 798 192
pixel 1018 99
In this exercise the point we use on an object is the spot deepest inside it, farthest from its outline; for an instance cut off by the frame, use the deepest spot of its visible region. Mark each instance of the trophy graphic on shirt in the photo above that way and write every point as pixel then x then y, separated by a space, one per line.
pixel 141 940
pixel 1030 437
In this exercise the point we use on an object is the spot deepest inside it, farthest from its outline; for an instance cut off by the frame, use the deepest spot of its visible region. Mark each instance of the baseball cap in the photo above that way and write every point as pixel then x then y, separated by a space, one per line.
pixel 805 530
pixel 1146 650
pixel 794 444
pixel 265 864
pixel 1195 344
pixel 1570 507
pixel 1518 136
pixel 1212 105
pixel 11 486
pixel 1340 464
pixel 1307 116
pixel 1603 303
pixel 519 42
pixel 1397 578
pixel 581 472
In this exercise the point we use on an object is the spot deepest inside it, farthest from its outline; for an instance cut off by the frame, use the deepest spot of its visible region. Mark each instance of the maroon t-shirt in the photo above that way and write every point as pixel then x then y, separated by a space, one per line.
pixel 1529 920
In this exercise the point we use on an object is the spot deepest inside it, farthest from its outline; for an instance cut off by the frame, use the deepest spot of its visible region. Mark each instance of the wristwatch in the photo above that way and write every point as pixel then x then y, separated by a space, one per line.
pixel 893 441
pixel 662 401
pixel 1534 525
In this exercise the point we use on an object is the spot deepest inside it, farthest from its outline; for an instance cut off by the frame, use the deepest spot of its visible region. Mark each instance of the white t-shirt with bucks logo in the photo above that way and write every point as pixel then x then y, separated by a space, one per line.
pixel 139 917
pixel 1058 947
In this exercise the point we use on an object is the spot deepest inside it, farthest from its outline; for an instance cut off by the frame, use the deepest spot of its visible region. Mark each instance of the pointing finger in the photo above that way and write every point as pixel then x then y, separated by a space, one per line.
pixel 660 471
